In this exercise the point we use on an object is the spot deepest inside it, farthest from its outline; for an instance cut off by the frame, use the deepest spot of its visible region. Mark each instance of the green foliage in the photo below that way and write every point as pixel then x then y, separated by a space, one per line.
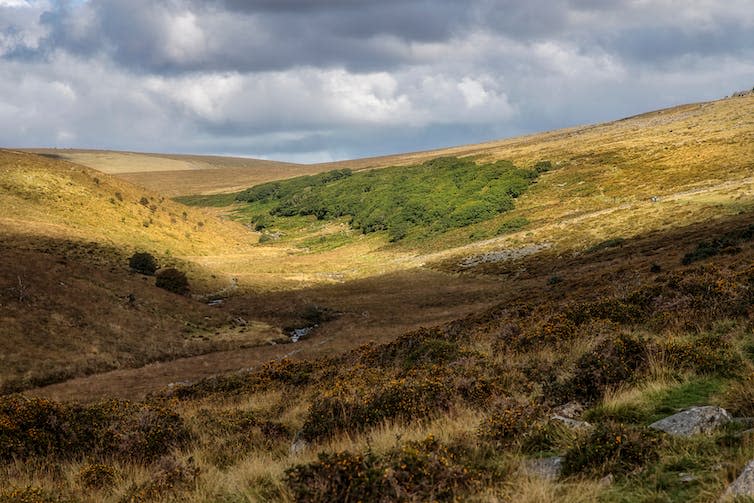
pixel 436 196
pixel 261 221
pixel 418 471
pixel 612 448
pixel 172 280
pixel 144 263
pixel 543 166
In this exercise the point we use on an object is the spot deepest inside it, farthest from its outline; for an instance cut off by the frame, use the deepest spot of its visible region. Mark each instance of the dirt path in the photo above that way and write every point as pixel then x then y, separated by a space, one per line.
pixel 134 384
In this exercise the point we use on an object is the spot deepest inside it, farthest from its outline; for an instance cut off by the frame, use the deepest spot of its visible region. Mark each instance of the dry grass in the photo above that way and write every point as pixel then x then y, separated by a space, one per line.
pixel 173 175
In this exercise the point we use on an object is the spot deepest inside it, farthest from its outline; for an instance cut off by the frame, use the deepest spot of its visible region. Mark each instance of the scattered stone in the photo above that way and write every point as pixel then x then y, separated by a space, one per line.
pixel 545 468
pixel 299 446
pixel 743 485
pixel 571 423
pixel 240 322
pixel 686 478
pixel 695 421
pixel 216 302
pixel 607 480
pixel 571 410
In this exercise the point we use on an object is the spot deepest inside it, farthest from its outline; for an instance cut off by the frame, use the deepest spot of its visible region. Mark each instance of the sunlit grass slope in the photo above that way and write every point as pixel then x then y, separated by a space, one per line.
pixel 42 196
pixel 174 174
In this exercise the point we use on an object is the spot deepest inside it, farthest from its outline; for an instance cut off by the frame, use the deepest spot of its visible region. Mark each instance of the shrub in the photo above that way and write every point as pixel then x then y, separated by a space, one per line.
pixel 172 280
pixel 517 423
pixel 727 243
pixel 407 398
pixel 703 354
pixel 29 494
pixel 612 448
pixel 97 476
pixel 604 245
pixel 615 360
pixel 37 427
pixel 512 225
pixel 433 197
pixel 144 263
pixel 261 222
pixel 418 471
pixel 738 398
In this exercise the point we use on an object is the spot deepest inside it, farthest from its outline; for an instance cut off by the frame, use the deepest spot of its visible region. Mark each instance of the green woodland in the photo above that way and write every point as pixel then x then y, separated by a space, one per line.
pixel 421 200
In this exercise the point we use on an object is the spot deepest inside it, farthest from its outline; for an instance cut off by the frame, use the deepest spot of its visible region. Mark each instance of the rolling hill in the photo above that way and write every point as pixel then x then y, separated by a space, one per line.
pixel 173 175
pixel 439 366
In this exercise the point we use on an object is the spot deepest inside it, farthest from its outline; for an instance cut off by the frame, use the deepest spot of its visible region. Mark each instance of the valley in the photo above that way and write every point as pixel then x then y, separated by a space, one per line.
pixel 447 332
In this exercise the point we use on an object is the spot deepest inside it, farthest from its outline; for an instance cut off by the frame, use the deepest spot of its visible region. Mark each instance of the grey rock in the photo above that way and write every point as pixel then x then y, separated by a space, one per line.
pixel 743 485
pixel 299 446
pixel 607 480
pixel 571 423
pixel 686 478
pixel 695 421
pixel 571 410
pixel 545 468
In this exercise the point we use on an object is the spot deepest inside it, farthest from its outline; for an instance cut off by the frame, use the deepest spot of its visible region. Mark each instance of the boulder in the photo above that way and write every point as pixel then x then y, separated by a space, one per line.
pixel 545 468
pixel 571 410
pixel 743 485
pixel 695 421
pixel 574 424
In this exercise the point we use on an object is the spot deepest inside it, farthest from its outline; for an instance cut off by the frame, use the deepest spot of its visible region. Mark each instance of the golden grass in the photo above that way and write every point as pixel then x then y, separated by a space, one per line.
pixel 173 175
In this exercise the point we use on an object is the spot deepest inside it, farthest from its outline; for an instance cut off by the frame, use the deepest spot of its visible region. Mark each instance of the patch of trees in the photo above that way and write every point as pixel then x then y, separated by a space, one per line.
pixel 436 196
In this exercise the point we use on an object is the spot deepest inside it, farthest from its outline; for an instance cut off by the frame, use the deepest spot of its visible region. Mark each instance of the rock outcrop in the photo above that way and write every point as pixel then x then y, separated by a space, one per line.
pixel 743 485
pixel 695 421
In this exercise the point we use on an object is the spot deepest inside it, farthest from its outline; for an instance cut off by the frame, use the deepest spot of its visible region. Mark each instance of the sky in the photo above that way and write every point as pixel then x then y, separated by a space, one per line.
pixel 320 80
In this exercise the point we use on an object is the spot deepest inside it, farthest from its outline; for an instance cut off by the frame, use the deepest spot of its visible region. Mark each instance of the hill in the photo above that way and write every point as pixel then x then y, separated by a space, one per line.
pixel 448 365
pixel 172 175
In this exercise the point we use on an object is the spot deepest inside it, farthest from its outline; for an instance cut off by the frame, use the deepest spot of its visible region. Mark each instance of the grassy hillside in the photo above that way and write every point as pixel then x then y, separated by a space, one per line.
pixel 621 280
pixel 173 175
pixel 67 232
pixel 40 196
pixel 461 411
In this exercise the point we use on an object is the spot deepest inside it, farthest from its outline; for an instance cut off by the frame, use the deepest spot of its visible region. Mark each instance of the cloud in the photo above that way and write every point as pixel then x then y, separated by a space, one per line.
pixel 347 78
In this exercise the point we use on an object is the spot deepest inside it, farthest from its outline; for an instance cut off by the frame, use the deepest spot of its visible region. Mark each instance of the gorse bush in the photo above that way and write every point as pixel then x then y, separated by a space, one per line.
pixel 438 195
pixel 35 427
pixel 418 471
pixel 614 361
pixel 347 409
pixel 612 448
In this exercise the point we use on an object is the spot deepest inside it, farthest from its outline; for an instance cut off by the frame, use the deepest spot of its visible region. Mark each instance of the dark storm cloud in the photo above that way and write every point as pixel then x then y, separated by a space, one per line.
pixel 174 36
pixel 322 79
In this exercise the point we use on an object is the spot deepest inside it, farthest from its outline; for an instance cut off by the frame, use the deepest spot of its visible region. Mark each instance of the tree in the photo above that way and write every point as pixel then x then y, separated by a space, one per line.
pixel 143 262
pixel 172 280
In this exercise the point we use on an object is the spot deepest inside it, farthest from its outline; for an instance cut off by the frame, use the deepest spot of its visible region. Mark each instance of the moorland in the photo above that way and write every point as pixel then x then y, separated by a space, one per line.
pixel 446 306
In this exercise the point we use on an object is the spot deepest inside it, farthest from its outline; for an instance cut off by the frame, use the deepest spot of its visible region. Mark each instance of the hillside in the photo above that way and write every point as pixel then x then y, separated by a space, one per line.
pixel 173 175
pixel 457 363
